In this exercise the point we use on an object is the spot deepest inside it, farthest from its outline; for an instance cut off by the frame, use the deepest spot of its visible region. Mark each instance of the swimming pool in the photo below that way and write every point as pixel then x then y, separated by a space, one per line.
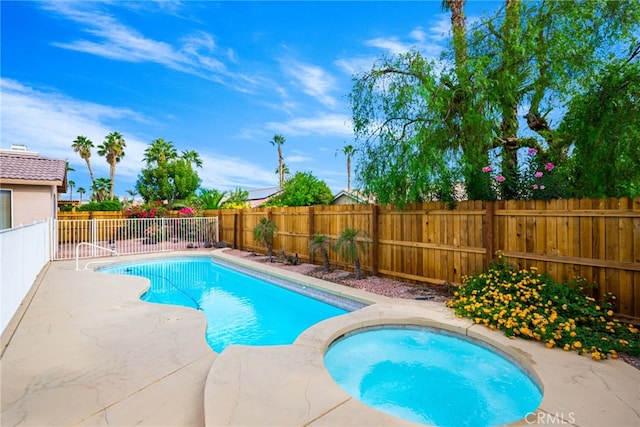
pixel 429 376
pixel 240 307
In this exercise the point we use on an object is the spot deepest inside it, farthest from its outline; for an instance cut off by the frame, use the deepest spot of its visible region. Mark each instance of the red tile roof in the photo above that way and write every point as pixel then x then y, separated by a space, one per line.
pixel 31 168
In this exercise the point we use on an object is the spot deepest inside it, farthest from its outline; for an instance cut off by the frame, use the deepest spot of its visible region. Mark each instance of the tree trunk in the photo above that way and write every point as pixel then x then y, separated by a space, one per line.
pixel 475 150
pixel 325 258
pixel 509 108
pixel 112 175
pixel 280 170
pixel 93 181
pixel 459 26
pixel 349 173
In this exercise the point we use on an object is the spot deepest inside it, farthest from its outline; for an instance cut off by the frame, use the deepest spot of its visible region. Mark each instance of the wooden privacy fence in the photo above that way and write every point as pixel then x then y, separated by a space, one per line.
pixel 597 239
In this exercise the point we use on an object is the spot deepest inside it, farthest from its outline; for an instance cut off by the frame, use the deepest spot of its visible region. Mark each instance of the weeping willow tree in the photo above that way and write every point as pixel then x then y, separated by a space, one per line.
pixel 603 127
pixel 499 90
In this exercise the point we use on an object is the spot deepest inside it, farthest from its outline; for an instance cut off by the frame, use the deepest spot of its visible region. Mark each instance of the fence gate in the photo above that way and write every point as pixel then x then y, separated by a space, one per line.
pixel 131 236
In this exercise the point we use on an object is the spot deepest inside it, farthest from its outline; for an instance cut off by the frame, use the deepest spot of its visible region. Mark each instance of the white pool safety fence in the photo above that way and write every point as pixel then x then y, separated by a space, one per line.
pixel 26 249
pixel 108 237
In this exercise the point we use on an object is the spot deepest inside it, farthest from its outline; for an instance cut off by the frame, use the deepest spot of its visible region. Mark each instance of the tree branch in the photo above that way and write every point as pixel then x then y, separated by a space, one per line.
pixel 401 72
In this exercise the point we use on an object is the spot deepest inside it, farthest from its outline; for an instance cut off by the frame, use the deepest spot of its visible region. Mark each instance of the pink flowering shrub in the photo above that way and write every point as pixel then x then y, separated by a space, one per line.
pixel 535 179
pixel 188 212
pixel 148 210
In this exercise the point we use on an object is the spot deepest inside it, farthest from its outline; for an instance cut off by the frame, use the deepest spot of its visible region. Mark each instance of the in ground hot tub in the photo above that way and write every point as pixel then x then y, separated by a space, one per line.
pixel 430 376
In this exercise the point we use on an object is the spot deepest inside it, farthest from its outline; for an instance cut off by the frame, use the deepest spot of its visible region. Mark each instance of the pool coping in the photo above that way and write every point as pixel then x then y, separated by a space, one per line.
pixel 76 352
pixel 577 390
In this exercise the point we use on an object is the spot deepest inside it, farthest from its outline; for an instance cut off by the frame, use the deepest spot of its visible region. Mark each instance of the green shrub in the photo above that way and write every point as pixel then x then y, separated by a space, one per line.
pixel 526 304
pixel 107 205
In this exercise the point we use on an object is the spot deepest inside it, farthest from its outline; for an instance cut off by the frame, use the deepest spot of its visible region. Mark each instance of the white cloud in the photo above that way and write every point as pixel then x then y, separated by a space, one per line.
pixel 418 35
pixel 228 173
pixel 297 157
pixel 324 124
pixel 389 44
pixel 429 42
pixel 196 53
pixel 49 122
pixel 356 66
pixel 314 81
pixel 441 29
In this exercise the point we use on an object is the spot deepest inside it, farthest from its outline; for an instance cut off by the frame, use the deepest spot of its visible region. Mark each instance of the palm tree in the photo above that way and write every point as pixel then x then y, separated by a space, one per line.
pixel 321 244
pixel 278 141
pixel 459 27
pixel 210 199
pixel 81 191
pixel 83 145
pixel 285 170
pixel 100 189
pixel 133 193
pixel 113 150
pixel 192 158
pixel 348 245
pixel 71 184
pixel 264 233
pixel 348 151
pixel 160 151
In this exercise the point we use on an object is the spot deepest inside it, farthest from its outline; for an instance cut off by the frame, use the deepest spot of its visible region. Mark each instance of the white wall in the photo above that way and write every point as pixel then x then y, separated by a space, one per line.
pixel 24 251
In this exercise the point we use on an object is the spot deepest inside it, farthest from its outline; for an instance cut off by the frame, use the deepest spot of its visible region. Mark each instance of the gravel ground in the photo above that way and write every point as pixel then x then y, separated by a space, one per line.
pixel 378 285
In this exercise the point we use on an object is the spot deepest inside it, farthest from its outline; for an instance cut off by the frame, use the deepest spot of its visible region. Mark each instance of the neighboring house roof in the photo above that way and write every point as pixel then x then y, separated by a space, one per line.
pixel 32 169
pixel 259 196
pixel 354 196
pixel 262 195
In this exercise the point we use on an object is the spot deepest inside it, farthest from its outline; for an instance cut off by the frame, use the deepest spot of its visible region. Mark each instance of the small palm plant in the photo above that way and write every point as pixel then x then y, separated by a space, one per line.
pixel 264 233
pixel 321 244
pixel 348 244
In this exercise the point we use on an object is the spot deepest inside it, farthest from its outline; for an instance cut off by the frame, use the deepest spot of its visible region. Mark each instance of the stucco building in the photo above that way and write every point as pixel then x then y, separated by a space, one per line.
pixel 29 186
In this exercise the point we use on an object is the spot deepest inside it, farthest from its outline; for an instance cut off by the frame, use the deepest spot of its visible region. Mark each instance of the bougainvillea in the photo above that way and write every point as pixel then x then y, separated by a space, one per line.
pixel 148 210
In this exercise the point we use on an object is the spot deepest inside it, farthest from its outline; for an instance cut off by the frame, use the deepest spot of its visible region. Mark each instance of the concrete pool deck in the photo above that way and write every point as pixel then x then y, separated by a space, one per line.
pixel 86 351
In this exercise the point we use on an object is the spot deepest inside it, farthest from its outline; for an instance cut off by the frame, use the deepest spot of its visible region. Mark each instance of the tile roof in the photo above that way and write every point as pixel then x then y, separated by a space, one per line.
pixel 31 168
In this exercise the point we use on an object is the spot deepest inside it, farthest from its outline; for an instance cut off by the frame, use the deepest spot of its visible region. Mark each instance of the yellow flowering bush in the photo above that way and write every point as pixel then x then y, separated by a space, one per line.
pixel 529 305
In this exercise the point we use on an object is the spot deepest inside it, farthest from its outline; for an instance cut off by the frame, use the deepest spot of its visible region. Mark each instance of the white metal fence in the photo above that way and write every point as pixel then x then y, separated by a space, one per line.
pixel 24 251
pixel 132 236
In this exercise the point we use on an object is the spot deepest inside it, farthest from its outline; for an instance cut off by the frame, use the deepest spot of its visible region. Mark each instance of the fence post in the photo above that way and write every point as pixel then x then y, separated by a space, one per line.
pixel 53 238
pixel 374 240
pixel 235 230
pixel 94 235
pixel 488 231
pixel 312 231
pixel 240 231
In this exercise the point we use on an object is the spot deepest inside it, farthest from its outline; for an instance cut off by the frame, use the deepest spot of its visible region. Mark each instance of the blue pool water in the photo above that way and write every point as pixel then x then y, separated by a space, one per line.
pixel 240 309
pixel 426 376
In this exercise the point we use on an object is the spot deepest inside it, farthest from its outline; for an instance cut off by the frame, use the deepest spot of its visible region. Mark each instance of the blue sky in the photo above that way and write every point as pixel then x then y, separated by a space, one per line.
pixel 221 78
